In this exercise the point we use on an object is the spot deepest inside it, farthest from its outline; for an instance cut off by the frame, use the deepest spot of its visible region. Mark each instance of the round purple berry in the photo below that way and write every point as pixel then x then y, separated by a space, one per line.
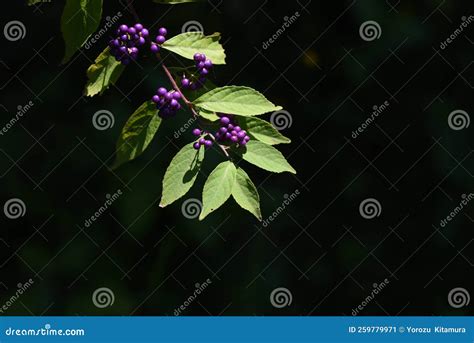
pixel 160 39
pixel 207 143
pixel 144 33
pixel 154 48
pixel 208 64
pixel 196 146
pixel 162 91
pixel 138 27
pixel 185 83
pixel 155 99
pixel 162 31
pixel 123 28
pixel 225 120
pixel 196 132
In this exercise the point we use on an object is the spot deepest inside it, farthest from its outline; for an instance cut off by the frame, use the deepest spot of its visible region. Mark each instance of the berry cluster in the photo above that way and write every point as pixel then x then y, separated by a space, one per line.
pixel 230 131
pixel 166 102
pixel 202 141
pixel 203 66
pixel 160 39
pixel 125 46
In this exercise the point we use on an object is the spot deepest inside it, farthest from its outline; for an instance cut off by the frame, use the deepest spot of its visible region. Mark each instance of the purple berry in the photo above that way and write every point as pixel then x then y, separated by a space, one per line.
pixel 237 129
pixel 196 132
pixel 174 103
pixel 138 27
pixel 124 38
pixel 241 134
pixel 223 130
pixel 244 142
pixel 225 120
pixel 160 39
pixel 162 31
pixel 176 95
pixel 123 28
pixel 154 48
pixel 197 57
pixel 234 139
pixel 162 91
pixel 246 138
pixel 204 71
pixel 144 33
pixel 207 143
pixel 196 146
pixel 208 64
pixel 202 141
pixel 155 99
pixel 185 83
pixel 132 31
pixel 230 127
pixel 169 96
pixel 228 135
pixel 141 41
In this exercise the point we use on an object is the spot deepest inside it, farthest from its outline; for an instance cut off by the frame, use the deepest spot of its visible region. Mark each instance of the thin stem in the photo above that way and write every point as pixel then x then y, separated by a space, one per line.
pixel 177 89
pixel 223 148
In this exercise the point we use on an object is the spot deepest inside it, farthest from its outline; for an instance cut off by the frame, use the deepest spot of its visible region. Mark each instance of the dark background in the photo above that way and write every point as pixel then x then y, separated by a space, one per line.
pixel 320 248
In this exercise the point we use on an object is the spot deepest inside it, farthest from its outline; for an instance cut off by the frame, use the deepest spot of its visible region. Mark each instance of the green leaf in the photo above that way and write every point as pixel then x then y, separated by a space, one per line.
pixel 263 131
pixel 79 20
pixel 218 188
pixel 103 73
pixel 137 133
pixel 238 100
pixel 188 43
pixel 181 174
pixel 245 193
pixel 266 157
pixel 211 116
pixel 175 2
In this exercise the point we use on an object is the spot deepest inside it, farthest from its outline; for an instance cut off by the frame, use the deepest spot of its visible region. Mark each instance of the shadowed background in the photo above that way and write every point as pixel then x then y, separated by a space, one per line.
pixel 320 248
